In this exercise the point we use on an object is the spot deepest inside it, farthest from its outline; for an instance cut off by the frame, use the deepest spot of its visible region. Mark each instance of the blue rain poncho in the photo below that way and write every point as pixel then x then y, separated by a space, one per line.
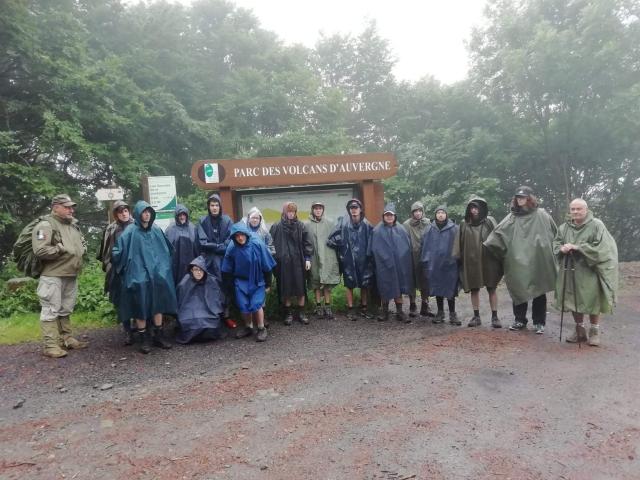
pixel 437 259
pixel 200 306
pixel 184 239
pixel 142 259
pixel 213 236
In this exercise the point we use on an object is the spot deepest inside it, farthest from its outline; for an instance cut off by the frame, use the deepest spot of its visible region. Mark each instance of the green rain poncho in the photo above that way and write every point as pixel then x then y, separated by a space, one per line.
pixel 595 267
pixel 523 240
pixel 324 263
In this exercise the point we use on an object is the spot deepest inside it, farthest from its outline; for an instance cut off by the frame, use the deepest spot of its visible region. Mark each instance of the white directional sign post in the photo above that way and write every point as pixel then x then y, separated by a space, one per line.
pixel 109 195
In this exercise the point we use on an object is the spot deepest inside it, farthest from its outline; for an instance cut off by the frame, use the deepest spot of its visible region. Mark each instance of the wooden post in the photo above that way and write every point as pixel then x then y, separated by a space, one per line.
pixel 373 214
pixel 227 199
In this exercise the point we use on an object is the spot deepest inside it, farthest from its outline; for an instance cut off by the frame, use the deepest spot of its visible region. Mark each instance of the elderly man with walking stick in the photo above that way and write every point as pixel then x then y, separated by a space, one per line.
pixel 588 282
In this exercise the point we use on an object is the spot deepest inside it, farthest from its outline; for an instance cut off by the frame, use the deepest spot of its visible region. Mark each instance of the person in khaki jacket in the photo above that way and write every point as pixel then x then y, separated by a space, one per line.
pixel 58 243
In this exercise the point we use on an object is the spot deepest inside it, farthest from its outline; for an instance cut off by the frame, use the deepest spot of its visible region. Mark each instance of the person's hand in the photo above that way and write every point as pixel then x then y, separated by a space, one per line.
pixel 307 265
pixel 267 290
pixel 61 248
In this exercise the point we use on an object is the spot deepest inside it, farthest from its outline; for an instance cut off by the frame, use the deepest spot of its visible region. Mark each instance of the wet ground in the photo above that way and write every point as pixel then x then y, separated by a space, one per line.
pixel 333 400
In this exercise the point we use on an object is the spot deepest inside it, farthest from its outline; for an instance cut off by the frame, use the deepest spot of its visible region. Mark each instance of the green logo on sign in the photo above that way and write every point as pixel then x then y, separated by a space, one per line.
pixel 208 170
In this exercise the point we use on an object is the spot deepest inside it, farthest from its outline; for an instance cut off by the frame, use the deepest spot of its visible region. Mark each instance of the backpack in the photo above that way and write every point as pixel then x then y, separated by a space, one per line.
pixel 26 260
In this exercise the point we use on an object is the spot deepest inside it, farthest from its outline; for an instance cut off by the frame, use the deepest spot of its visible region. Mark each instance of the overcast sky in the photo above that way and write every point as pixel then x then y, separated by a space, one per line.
pixel 426 36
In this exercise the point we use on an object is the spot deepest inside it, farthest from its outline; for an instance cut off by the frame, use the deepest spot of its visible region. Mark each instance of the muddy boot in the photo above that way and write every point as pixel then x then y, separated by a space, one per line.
pixel 159 339
pixel 475 321
pixel 318 312
pixel 244 332
pixel 425 311
pixel 495 322
pixel 413 310
pixel 143 339
pixel 453 319
pixel 301 317
pixel 351 314
pixel 383 316
pixel 579 336
pixel 328 313
pixel 64 327
pixel 50 340
pixel 439 317
pixel 261 334
pixel 288 317
pixel 594 336
pixel 400 315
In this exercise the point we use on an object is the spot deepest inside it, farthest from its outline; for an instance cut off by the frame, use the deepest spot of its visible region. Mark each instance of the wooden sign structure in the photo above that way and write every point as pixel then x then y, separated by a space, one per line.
pixel 365 170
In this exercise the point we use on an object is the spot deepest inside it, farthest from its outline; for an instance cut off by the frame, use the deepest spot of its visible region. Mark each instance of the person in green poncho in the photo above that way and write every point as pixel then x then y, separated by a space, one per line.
pixel 589 252
pixel 523 241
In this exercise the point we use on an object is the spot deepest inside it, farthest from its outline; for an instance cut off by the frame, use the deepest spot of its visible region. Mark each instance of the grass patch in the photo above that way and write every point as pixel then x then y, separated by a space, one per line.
pixel 25 327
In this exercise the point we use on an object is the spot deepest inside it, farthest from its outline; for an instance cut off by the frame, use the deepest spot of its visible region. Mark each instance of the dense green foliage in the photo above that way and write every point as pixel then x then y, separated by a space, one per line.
pixel 99 92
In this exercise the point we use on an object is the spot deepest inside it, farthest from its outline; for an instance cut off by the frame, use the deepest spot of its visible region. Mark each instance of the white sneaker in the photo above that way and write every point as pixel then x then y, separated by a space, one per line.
pixel 539 329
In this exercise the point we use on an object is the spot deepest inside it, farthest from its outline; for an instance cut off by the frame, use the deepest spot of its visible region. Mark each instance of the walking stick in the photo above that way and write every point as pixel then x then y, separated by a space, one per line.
pixel 564 290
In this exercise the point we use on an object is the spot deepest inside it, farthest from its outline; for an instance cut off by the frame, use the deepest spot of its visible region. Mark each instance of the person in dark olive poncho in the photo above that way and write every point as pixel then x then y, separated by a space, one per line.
pixel 390 247
pixel 142 259
pixel 200 304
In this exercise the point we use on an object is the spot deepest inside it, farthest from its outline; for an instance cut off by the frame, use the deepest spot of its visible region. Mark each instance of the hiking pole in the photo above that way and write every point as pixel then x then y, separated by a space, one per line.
pixel 575 290
pixel 564 290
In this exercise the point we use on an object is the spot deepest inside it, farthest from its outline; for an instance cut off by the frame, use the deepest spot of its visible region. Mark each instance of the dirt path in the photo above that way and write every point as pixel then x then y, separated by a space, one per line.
pixel 332 400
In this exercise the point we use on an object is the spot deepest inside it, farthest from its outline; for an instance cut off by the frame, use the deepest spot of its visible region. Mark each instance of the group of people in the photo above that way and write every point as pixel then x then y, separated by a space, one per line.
pixel 197 272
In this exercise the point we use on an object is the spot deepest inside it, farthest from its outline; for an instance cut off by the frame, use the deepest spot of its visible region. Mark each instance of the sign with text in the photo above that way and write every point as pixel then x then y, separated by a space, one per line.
pixel 163 198
pixel 286 171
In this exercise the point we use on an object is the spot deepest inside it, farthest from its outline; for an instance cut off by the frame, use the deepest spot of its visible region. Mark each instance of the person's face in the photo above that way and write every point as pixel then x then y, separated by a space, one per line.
pixel 418 214
pixel 145 216
pixel 474 212
pixel 578 211
pixel 214 208
pixel 197 273
pixel 388 218
pixel 441 215
pixel 254 220
pixel 291 214
pixel 521 201
pixel 241 238
pixel 318 210
pixel 122 214
pixel 354 210
pixel 66 213
pixel 182 218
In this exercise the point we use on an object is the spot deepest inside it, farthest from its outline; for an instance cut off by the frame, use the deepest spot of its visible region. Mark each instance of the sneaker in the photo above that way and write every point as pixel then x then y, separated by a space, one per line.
pixel 413 310
pixel 261 334
pixel 517 325
pixel 453 319
pixel 244 332
pixel 402 317
pixel 288 320
pixel 159 339
pixel 474 322
pixel 425 311
pixel 495 322
pixel 363 312
pixel 539 329
pixel 351 315
pixel 303 319
pixel 439 317
pixel 328 314
pixel 579 335
pixel 594 336
pixel 383 315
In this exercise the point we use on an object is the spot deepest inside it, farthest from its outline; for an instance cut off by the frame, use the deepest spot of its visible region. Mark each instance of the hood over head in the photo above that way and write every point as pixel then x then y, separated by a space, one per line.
pixel 240 227
pixel 181 209
pixel 390 208
pixel 417 206
pixel 201 263
pixel 214 197
pixel 140 207
pixel 481 204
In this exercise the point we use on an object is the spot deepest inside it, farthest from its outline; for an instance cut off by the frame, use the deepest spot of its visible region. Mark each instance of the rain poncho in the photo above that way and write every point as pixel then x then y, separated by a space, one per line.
pixel 324 264
pixel 438 261
pixel 184 239
pixel 109 238
pixel 350 240
pixel 478 267
pixel 416 230
pixel 142 259
pixel 293 247
pixel 596 267
pixel 523 241
pixel 390 247
pixel 261 230
pixel 213 236
pixel 200 306
pixel 250 266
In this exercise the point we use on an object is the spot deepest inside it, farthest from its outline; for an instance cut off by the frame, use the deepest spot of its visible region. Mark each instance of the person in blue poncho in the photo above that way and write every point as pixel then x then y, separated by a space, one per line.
pixel 440 265
pixel 142 259
pixel 183 236
pixel 200 304
pixel 390 247
pixel 248 265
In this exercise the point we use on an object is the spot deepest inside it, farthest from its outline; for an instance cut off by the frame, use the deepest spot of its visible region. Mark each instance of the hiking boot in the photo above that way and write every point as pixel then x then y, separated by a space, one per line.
pixel 143 338
pixel 579 336
pixel 159 339
pixel 261 334
pixel 439 317
pixel 288 319
pixel 64 328
pixel 413 310
pixel 50 339
pixel 453 319
pixel 495 322
pixel 351 315
pixel 328 314
pixel 383 316
pixel 244 332
pixel 128 338
pixel 518 325
pixel 318 312
pixel 539 329
pixel 594 336
pixel 302 318
pixel 401 316
pixel 425 311
pixel 475 321
pixel 363 312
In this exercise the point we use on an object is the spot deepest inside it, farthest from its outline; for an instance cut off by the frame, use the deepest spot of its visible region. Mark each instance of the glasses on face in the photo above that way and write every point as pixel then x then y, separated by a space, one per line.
pixel 354 207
